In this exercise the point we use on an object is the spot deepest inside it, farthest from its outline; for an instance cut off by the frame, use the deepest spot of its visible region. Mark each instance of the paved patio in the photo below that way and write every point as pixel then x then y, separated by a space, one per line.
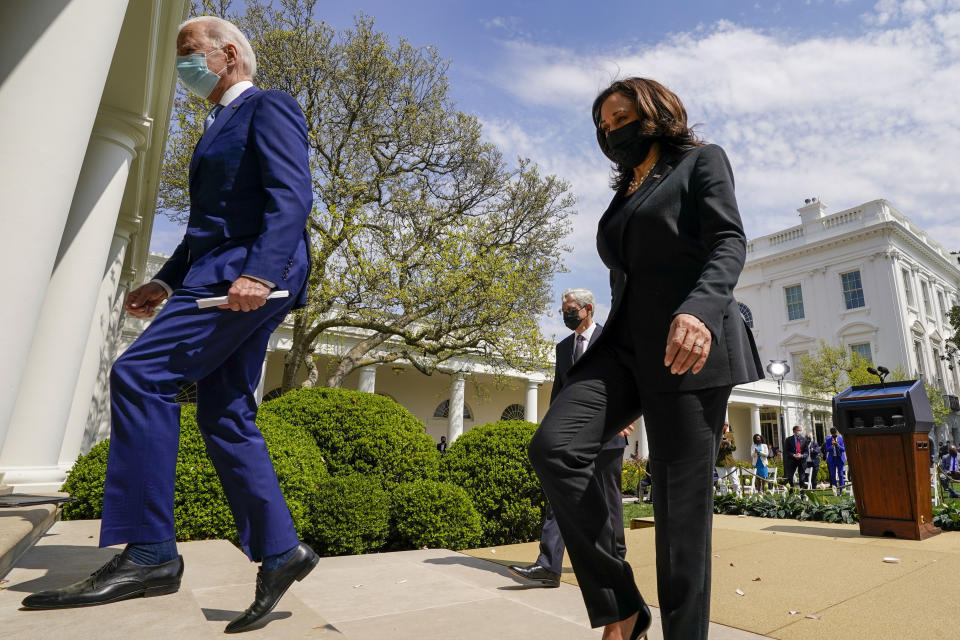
pixel 423 595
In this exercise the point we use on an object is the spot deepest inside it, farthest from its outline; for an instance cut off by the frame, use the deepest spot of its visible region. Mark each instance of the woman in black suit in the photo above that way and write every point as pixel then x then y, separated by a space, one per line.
pixel 674 346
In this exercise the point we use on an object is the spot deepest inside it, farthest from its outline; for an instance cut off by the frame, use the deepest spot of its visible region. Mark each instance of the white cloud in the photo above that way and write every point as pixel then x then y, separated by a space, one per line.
pixel 848 119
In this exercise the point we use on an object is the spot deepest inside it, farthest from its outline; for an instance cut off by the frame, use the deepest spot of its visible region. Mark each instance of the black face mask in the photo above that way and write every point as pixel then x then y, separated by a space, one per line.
pixel 627 147
pixel 572 319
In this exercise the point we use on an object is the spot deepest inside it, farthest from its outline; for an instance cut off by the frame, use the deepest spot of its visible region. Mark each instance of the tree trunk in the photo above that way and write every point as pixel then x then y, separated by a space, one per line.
pixel 353 359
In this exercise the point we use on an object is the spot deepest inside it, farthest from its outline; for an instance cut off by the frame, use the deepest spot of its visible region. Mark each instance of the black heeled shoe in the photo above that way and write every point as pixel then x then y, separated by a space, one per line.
pixel 642 625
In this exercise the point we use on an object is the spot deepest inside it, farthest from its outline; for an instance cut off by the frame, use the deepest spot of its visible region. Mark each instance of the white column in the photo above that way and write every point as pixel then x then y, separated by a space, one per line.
pixel 56 56
pixel 258 392
pixel 640 433
pixel 368 379
pixel 530 405
pixel 755 421
pixel 89 420
pixel 35 436
pixel 455 414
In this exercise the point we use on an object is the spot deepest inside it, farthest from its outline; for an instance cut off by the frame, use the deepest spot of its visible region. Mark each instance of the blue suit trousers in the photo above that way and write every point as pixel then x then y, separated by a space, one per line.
pixel 222 351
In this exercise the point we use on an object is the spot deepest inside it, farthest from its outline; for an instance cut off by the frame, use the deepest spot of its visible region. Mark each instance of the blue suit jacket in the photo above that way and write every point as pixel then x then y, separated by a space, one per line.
pixel 250 196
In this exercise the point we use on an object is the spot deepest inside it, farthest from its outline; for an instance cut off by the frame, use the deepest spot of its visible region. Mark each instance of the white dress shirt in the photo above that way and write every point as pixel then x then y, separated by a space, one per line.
pixel 228 96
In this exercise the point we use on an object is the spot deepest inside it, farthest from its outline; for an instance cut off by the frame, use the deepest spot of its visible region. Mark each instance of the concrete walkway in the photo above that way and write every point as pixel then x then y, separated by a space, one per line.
pixel 421 595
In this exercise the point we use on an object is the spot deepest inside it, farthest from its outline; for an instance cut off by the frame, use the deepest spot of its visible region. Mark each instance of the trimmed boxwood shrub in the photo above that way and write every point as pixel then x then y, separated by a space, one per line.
pixel 438 515
pixel 632 473
pixel 361 433
pixel 349 515
pixel 84 483
pixel 200 506
pixel 491 463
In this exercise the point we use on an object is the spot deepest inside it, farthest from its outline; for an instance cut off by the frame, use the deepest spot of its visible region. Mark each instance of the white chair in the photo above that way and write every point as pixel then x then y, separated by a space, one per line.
pixel 747 480
pixel 771 485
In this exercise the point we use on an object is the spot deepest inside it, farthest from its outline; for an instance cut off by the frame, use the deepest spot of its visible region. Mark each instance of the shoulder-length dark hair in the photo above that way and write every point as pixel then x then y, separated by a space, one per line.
pixel 661 114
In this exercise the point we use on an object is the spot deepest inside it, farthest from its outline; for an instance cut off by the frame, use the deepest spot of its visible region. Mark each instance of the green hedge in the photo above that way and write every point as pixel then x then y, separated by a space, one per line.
pixel 361 433
pixel 633 472
pixel 432 514
pixel 349 515
pixel 491 463
pixel 200 506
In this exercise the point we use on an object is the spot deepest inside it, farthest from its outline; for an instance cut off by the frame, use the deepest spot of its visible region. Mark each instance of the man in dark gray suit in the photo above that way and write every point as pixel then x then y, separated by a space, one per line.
pixel 577 309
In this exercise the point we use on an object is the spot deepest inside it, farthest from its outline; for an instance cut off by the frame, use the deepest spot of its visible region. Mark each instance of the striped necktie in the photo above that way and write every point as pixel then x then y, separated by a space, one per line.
pixel 578 349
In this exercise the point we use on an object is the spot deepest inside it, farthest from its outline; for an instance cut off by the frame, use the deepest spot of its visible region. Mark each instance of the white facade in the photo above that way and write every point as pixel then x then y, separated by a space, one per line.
pixel 84 104
pixel 800 286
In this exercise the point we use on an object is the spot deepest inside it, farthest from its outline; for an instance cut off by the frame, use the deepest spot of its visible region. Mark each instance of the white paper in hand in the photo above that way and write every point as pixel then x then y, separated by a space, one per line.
pixel 206 303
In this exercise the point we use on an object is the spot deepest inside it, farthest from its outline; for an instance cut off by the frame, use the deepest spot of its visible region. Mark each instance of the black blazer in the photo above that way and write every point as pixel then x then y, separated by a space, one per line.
pixel 680 248
pixel 563 362
pixel 790 447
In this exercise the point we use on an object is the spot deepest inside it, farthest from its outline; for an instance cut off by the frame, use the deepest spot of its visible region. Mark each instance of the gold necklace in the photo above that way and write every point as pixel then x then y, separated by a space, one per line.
pixel 635 183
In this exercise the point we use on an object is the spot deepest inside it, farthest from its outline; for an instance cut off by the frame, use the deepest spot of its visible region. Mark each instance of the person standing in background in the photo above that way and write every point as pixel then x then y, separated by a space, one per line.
pixel 727 471
pixel 836 458
pixel 813 460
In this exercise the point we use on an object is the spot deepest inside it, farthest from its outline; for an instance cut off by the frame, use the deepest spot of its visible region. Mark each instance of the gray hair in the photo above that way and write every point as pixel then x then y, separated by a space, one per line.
pixel 583 297
pixel 222 32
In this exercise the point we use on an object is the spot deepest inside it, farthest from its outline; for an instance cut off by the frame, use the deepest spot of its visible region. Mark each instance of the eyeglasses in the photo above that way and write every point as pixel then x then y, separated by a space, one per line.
pixel 562 310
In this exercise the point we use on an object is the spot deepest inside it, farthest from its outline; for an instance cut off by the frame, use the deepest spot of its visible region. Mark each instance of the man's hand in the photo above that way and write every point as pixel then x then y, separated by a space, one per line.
pixel 626 431
pixel 796 456
pixel 246 295
pixel 688 344
pixel 142 301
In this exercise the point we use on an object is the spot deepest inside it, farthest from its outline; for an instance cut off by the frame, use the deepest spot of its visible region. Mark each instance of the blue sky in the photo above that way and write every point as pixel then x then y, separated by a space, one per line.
pixel 842 99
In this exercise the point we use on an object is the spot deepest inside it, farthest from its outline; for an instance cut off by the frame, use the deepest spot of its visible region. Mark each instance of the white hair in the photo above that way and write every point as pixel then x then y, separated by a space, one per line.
pixel 222 32
pixel 583 297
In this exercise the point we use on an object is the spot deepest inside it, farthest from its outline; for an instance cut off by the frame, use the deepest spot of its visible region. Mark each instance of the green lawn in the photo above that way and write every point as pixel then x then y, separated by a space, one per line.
pixel 634 510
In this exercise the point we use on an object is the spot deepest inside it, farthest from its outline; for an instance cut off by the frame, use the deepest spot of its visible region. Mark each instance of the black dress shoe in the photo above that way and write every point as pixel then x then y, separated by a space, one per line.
pixel 642 625
pixel 536 573
pixel 271 585
pixel 119 579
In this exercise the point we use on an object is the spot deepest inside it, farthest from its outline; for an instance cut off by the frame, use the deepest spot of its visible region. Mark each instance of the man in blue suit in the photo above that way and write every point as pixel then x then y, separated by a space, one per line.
pixel 836 457
pixel 250 198
pixel 577 309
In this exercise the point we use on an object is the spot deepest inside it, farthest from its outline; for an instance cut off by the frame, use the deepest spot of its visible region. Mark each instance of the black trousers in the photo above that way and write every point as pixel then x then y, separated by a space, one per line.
pixel 683 431
pixel 609 473
pixel 793 467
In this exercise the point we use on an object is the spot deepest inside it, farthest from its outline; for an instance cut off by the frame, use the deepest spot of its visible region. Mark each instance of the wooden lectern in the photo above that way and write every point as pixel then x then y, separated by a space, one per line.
pixel 885 428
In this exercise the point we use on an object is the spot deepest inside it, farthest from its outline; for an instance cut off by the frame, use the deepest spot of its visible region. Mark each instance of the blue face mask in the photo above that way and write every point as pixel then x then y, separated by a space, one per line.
pixel 195 75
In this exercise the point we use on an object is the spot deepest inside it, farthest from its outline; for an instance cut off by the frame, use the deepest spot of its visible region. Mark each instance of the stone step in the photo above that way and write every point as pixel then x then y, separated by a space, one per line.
pixel 20 528
pixel 218 584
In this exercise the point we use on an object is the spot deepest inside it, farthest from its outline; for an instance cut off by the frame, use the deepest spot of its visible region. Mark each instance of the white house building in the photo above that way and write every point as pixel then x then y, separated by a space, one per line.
pixel 866 278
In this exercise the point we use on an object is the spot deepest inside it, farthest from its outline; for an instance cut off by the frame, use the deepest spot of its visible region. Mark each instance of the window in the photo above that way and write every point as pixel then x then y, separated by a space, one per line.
pixel 918 353
pixel 852 290
pixel 794 302
pixel 863 350
pixel 768 428
pixel 747 315
pixel 908 288
pixel 925 292
pixel 514 412
pixel 938 367
pixel 443 411
pixel 943 308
